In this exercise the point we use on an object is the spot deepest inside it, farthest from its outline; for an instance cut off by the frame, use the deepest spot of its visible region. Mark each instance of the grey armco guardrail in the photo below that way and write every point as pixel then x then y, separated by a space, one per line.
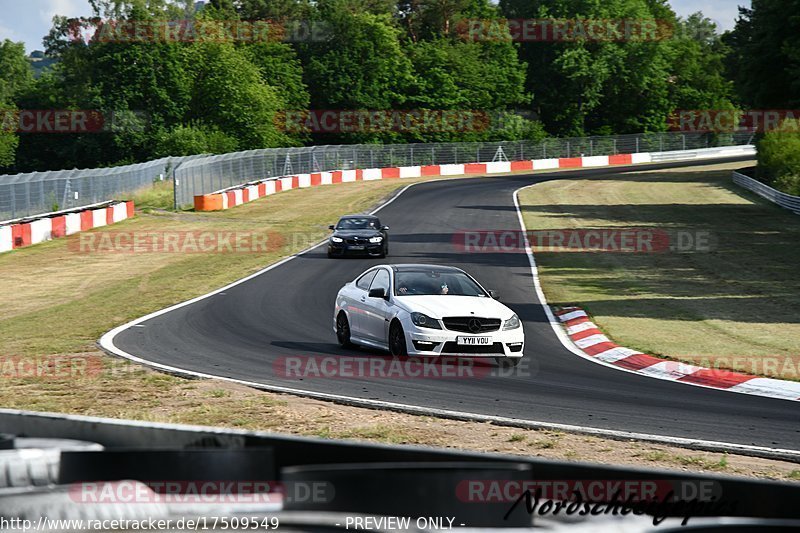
pixel 787 201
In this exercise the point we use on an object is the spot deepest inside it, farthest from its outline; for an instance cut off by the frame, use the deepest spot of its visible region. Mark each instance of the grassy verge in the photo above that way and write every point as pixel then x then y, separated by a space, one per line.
pixel 736 305
pixel 76 297
pixel 159 195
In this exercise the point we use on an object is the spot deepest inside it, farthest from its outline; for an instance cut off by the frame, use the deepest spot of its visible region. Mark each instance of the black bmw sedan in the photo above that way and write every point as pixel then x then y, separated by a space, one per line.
pixel 359 235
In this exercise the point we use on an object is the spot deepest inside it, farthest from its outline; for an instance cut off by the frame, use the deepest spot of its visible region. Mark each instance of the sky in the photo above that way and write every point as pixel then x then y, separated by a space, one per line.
pixel 29 20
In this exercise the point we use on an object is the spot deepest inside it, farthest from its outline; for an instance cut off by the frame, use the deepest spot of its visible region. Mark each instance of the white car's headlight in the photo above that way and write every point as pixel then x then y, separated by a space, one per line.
pixel 375 240
pixel 424 321
pixel 512 323
pixel 336 239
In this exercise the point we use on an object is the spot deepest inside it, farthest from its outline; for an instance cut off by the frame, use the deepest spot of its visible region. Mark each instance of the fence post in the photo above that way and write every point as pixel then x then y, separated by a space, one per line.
pixel 637 144
pixel 28 196
pixel 175 188
pixel 65 198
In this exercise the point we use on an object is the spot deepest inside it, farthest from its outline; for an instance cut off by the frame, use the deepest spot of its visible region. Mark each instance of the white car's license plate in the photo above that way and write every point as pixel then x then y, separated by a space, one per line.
pixel 356 247
pixel 474 341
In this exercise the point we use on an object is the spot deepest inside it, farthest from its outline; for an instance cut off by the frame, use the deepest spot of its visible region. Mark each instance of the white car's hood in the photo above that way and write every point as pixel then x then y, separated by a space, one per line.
pixel 438 306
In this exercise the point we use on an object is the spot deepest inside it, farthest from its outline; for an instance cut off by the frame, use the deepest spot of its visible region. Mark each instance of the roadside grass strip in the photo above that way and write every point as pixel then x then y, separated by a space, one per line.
pixel 717 290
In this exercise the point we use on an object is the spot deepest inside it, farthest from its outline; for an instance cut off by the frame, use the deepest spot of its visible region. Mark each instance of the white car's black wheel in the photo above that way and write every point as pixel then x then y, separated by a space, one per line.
pixel 507 362
pixel 343 331
pixel 397 340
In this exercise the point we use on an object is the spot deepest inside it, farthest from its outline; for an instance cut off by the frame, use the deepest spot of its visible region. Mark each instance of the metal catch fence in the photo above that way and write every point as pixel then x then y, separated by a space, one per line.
pixel 23 195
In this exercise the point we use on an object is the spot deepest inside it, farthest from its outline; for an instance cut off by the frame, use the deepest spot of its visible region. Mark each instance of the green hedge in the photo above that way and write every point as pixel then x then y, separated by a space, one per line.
pixel 779 158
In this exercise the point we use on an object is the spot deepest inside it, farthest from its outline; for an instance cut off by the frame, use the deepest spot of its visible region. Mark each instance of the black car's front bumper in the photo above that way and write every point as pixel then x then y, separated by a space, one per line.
pixel 344 248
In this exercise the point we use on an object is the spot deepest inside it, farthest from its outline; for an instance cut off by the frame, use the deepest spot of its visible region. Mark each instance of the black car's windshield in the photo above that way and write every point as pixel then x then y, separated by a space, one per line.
pixel 432 282
pixel 357 223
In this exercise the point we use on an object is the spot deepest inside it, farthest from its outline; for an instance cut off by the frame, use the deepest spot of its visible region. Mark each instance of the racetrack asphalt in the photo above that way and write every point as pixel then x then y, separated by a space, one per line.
pixel 245 332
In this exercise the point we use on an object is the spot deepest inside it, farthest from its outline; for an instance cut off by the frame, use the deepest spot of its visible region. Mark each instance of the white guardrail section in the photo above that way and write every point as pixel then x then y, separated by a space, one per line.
pixel 787 201
pixel 703 153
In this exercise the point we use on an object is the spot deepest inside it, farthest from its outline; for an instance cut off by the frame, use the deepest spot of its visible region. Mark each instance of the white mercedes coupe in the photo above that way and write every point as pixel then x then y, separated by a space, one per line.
pixel 426 310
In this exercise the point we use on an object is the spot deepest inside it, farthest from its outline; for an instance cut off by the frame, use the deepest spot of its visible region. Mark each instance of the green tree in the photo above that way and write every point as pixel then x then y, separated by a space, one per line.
pixel 621 85
pixel 15 77
pixel 194 91
pixel 115 73
pixel 478 78
pixel 566 78
pixel 229 93
pixel 764 55
pixel 363 66
pixel 282 69
pixel 697 63
pixel 194 139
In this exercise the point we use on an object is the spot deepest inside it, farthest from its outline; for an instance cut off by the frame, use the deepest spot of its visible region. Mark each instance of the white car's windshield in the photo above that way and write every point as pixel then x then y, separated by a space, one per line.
pixel 357 223
pixel 411 283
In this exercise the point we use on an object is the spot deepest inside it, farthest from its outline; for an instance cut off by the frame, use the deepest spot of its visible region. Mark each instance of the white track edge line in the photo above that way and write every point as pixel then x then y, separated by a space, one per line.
pixel 572 347
pixel 106 342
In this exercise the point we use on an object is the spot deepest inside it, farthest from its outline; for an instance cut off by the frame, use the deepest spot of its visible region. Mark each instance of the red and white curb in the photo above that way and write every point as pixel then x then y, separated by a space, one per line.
pixel 588 338
pixel 26 232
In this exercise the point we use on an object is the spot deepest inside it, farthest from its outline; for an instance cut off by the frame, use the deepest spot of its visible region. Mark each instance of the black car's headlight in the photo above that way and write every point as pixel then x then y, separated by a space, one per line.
pixel 512 323
pixel 424 321
pixel 375 240
pixel 336 239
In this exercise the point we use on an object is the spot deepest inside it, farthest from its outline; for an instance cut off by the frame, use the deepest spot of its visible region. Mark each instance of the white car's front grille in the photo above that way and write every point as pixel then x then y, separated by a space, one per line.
pixel 471 324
